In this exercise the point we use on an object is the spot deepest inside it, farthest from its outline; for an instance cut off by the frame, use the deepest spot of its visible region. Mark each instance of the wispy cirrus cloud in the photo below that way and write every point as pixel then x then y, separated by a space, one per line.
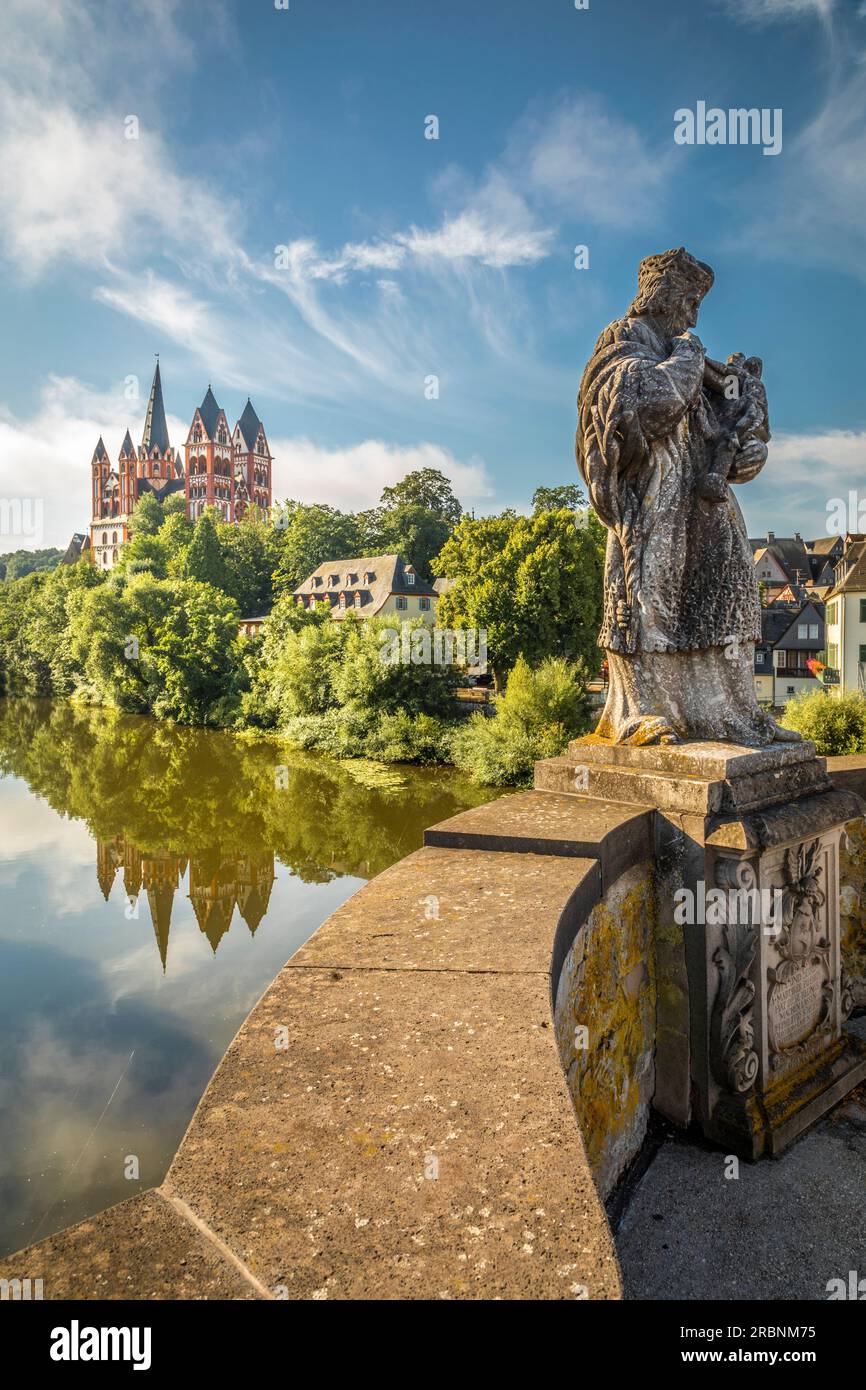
pixel 766 11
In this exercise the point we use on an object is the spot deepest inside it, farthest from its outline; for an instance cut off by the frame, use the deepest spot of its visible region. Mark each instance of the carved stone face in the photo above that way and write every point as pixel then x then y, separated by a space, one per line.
pixel 675 305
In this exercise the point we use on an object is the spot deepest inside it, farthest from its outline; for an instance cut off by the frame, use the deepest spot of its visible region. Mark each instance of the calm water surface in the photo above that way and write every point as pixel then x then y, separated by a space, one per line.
pixel 153 881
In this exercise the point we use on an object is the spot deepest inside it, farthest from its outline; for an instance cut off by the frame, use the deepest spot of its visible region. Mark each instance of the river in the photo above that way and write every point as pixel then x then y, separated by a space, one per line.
pixel 153 881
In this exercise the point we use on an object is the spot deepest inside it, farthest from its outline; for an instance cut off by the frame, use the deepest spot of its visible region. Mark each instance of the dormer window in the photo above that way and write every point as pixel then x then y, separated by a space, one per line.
pixel 335 579
pixel 351 579
pixel 357 600
pixel 342 600
pixel 317 580
pixel 369 576
pixel 410 578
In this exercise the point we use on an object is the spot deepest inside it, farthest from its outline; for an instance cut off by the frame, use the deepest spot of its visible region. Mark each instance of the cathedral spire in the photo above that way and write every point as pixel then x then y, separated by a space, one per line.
pixel 155 429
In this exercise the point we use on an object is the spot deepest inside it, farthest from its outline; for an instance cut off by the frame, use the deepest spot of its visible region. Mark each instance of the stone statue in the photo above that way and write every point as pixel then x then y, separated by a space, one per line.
pixel 663 432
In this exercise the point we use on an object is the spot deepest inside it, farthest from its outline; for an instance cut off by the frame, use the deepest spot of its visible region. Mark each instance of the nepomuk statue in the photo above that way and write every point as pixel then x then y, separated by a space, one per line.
pixel 664 431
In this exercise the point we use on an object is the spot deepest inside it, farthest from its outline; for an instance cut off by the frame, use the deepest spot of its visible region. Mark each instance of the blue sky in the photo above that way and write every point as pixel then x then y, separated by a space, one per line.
pixel 408 257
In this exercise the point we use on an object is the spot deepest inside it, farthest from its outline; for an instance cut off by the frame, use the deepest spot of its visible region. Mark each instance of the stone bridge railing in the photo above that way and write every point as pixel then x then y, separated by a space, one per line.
pixel 396 1116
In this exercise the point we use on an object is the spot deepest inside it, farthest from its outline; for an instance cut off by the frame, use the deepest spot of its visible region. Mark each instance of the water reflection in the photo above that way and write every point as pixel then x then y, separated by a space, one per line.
pixel 219 882
pixel 153 881
pixel 166 804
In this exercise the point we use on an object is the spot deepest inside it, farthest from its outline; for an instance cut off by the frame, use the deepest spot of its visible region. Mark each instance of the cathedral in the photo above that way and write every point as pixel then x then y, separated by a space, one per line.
pixel 223 468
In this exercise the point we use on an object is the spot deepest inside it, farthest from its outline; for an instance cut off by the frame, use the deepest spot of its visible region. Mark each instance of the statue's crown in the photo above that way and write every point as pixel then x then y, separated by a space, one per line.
pixel 677 264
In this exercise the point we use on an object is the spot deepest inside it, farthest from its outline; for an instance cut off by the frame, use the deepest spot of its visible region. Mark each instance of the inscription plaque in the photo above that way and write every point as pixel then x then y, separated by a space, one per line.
pixel 795 1006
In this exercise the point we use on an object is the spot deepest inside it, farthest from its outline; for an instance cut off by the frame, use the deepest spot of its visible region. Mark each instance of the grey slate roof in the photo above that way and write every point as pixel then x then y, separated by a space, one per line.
pixel 165 488
pixel 851 571
pixel 249 425
pixel 100 451
pixel 209 412
pixel 127 448
pixel 387 576
pixel 155 429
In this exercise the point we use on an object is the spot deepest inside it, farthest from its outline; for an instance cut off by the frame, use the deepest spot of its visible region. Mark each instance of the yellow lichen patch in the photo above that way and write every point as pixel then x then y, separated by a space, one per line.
pixel 852 905
pixel 605 1024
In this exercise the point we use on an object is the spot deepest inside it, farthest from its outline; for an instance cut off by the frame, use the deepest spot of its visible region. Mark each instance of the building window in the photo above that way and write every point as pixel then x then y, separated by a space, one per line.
pixel 862 656
pixel 759 658
pixel 357 600
pixel 802 631
pixel 781 658
pixel 410 578
pixel 863 610
pixel 813 630
pixel 424 605
pixel 790 690
pixel 342 600
pixel 402 603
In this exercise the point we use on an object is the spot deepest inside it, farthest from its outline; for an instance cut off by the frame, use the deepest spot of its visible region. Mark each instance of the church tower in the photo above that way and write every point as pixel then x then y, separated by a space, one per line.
pixel 156 458
pixel 227 470
pixel 252 464
pixel 209 480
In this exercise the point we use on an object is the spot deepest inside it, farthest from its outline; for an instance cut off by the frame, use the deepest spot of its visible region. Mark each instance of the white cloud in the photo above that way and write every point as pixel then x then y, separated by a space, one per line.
pixel 47 457
pixel 840 455
pixel 765 11
pixel 582 159
pixel 815 469
pixel 352 478
pixel 86 194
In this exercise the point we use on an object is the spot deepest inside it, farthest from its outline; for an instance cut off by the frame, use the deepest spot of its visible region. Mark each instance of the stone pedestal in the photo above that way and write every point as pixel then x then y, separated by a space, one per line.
pixel 752 999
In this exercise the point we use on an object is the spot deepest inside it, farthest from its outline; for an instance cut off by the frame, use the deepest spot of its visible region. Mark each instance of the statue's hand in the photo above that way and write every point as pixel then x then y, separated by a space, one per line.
pixel 688 342
pixel 748 462
pixel 623 615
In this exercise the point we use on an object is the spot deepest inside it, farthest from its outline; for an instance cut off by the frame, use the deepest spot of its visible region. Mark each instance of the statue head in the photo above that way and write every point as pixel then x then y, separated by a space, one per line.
pixel 670 287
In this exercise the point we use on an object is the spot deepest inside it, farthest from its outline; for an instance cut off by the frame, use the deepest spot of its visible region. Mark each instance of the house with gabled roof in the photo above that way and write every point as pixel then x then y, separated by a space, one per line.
pixel 792 635
pixel 370 586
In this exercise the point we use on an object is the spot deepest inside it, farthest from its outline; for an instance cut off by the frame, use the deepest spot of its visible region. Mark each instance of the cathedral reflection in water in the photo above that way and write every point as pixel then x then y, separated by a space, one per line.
pixel 219 882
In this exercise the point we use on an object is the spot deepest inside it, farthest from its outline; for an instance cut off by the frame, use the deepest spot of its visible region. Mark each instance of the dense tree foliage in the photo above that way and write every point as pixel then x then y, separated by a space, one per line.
pixel 534 584
pixel 535 718
pixel 160 634
pixel 17 563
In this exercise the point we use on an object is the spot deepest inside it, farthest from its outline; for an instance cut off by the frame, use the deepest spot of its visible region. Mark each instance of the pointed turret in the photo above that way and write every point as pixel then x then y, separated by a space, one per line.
pixel 249 425
pixel 155 429
pixel 100 453
pixel 210 412
pixel 161 900
pixel 127 448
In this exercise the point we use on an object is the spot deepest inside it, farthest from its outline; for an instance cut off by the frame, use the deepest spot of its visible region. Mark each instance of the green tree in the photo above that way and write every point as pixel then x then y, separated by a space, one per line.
pixel 535 718
pixel 147 516
pixel 533 584
pixel 167 647
pixel 203 559
pixel 252 550
pixel 416 517
pixel 312 535
pixel 835 723
pixel 568 497
pixel 18 563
